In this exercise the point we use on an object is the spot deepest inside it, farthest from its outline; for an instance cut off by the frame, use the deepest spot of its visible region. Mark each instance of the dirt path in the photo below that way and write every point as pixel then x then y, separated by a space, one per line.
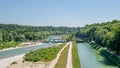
pixel 69 59
pixel 53 63
pixel 50 64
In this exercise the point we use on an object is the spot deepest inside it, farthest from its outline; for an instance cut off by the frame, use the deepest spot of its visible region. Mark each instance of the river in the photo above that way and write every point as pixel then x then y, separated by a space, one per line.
pixel 18 51
pixel 90 58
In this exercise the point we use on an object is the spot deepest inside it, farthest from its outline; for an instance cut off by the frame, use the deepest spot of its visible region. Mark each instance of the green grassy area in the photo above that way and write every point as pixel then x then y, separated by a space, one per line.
pixel 44 54
pixel 75 57
pixel 67 37
pixel 9 44
pixel 63 59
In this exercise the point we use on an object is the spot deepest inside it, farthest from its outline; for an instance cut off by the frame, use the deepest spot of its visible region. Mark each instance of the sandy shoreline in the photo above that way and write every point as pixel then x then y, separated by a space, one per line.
pixel 7 62
pixel 4 63
pixel 21 46
pixel 26 64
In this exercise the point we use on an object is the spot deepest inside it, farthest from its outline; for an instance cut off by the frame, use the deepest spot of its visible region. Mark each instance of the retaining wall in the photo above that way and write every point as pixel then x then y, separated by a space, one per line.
pixel 114 58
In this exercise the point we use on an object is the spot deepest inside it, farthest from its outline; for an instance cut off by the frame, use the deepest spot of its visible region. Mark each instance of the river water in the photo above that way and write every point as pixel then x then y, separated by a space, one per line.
pixel 90 58
pixel 18 51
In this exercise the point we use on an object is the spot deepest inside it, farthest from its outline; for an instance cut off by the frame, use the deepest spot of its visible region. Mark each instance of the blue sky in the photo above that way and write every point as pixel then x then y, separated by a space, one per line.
pixel 58 12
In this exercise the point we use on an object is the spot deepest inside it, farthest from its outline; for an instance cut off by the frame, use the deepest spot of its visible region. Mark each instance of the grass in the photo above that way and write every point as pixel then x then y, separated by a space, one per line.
pixel 44 54
pixel 63 59
pixel 14 62
pixel 75 57
pixel 9 44
pixel 67 37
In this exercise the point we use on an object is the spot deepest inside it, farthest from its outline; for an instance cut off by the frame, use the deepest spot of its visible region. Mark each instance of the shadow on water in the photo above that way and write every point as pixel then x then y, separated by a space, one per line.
pixel 89 56
pixel 107 62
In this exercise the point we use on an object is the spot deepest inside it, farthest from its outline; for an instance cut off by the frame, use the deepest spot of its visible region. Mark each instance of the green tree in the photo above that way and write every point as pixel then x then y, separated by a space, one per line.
pixel 0 37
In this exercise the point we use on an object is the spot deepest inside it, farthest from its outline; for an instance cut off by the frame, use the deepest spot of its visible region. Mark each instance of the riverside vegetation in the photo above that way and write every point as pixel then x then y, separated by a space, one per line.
pixel 9 44
pixel 106 34
pixel 44 54
pixel 13 34
pixel 115 59
pixel 75 57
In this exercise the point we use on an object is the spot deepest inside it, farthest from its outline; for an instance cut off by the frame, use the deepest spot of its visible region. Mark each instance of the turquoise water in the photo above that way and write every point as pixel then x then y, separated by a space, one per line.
pixel 14 52
pixel 90 58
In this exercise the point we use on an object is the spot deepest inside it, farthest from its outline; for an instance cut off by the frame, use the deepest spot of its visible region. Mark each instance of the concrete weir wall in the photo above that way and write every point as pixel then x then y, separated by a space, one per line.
pixel 114 58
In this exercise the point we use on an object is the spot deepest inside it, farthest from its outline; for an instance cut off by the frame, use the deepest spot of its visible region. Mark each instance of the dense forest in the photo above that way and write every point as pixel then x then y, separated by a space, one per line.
pixel 106 34
pixel 11 34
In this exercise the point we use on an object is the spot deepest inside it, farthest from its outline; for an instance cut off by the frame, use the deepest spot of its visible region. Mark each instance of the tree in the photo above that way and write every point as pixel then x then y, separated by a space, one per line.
pixel 106 34
pixel 117 42
pixel 11 38
pixel 0 37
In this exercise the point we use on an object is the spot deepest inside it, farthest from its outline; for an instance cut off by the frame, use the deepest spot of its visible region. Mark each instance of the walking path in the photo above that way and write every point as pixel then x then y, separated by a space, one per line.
pixel 53 63
pixel 50 64
pixel 69 59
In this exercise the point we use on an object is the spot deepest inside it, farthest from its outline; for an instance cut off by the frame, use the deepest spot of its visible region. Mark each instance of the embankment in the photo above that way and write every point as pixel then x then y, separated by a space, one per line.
pixel 75 57
pixel 114 58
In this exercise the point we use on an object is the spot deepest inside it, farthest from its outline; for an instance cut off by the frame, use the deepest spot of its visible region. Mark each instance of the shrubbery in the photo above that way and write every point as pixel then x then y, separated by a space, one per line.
pixel 44 54
pixel 9 44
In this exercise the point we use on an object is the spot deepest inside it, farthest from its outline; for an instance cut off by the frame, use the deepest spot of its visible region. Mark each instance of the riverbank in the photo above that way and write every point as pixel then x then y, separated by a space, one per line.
pixel 4 63
pixel 91 58
pixel 24 44
pixel 21 63
pixel 75 56
pixel 40 64
pixel 114 58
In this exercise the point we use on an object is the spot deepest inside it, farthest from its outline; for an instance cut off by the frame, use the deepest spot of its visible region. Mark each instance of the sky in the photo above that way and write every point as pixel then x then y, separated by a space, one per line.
pixel 71 13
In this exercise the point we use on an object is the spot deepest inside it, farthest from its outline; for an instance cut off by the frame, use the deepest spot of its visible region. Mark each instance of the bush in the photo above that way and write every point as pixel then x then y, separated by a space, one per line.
pixel 44 54
pixel 9 44
pixel 14 62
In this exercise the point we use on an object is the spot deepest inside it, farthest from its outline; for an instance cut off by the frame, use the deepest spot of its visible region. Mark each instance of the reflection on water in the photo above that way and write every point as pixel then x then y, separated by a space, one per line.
pixel 90 58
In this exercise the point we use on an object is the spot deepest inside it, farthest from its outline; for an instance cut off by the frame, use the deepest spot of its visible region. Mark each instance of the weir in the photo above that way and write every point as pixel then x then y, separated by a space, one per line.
pixel 55 39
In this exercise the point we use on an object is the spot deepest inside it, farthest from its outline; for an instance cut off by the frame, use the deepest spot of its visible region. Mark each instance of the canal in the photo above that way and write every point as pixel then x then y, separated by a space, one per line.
pixel 90 58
